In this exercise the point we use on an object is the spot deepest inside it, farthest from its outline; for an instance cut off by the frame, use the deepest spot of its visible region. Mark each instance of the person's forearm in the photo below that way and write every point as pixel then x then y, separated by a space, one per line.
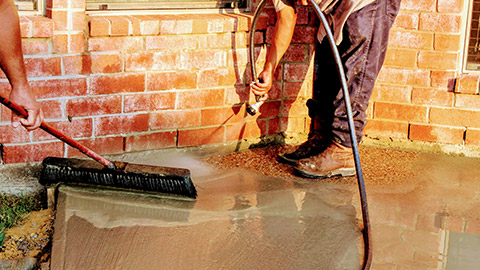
pixel 11 56
pixel 282 36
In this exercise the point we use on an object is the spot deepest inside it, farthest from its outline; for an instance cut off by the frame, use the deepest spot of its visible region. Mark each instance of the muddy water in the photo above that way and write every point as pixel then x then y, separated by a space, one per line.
pixel 240 220
pixel 426 216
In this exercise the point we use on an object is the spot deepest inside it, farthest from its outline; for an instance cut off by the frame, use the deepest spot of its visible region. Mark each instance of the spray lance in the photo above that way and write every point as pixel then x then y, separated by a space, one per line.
pixel 252 110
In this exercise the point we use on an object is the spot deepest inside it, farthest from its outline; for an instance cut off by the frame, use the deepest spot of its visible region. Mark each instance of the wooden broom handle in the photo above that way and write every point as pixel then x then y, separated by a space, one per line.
pixel 58 134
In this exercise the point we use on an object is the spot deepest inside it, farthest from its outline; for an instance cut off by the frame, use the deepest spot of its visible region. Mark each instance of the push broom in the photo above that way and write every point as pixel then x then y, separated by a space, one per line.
pixel 105 172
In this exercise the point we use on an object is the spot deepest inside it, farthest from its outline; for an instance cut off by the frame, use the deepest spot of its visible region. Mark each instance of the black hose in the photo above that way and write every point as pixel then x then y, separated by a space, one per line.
pixel 361 185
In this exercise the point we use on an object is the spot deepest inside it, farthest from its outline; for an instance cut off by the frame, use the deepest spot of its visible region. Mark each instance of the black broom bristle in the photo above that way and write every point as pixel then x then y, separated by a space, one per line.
pixel 130 176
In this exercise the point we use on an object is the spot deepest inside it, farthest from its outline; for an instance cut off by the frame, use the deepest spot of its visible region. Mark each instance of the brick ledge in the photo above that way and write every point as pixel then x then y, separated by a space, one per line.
pixel 140 25
pixel 32 26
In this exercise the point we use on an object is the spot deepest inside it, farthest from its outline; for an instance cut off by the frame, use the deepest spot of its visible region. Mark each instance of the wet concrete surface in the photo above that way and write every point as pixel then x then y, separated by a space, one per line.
pixel 424 212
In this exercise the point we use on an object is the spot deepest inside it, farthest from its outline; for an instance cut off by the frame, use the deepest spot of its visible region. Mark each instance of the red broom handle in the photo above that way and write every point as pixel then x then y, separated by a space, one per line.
pixel 60 135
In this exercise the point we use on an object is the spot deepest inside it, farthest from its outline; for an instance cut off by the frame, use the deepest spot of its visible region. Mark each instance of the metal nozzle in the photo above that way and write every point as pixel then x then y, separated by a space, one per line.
pixel 252 109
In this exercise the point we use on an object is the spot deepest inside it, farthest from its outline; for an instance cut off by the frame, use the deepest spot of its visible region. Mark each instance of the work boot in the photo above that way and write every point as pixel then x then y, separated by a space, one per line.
pixel 335 160
pixel 313 146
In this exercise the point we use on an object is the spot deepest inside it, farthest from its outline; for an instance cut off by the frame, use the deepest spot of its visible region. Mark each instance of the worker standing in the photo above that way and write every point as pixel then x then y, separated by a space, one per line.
pixel 361 29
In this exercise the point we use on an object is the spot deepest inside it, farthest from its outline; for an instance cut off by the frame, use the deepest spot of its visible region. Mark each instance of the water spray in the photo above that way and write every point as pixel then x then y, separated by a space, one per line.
pixel 252 110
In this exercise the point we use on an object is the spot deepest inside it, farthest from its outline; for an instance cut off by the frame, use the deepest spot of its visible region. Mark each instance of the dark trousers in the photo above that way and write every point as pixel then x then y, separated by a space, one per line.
pixel 362 50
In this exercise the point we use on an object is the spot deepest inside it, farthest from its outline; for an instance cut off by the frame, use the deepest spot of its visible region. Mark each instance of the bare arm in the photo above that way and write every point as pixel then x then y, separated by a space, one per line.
pixel 282 36
pixel 11 62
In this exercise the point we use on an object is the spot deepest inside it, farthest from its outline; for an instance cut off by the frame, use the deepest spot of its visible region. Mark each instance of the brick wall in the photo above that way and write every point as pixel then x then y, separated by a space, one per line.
pixel 139 82
pixel 421 94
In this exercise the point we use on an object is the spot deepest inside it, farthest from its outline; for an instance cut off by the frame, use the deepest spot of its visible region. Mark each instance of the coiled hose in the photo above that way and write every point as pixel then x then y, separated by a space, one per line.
pixel 361 185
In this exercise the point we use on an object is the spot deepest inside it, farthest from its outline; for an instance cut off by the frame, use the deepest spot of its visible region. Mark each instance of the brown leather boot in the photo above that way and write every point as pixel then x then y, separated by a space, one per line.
pixel 335 160
pixel 313 146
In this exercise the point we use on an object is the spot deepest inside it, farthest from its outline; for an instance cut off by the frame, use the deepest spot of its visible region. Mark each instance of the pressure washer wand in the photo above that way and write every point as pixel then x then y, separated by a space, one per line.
pixel 252 109
pixel 361 185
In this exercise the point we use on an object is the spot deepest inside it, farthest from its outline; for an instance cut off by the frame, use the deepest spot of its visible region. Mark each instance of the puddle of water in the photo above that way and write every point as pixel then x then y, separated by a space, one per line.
pixel 240 220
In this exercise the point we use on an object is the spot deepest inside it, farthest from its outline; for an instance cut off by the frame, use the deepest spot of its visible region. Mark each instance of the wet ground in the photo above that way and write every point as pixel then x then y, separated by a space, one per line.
pixel 252 213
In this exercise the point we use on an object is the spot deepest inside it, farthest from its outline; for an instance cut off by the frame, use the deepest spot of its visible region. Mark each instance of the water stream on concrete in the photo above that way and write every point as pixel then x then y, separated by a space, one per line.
pixel 246 220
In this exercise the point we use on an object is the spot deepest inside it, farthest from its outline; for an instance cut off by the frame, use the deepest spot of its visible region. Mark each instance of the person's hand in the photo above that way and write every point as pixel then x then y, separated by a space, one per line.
pixel 26 99
pixel 262 85
pixel 304 2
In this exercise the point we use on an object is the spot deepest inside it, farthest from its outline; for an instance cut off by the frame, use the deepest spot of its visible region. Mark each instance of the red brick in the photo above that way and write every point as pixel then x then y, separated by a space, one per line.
pixel 437 60
pixel 99 27
pixel 175 119
pixel 106 63
pixel 78 20
pixel 42 27
pixel 77 43
pixel 445 42
pixel 8 134
pixel 436 134
pixel 297 89
pixel 167 26
pixel 117 84
pixel 237 95
pixel 146 61
pixel 60 18
pixel 26 26
pixel 202 136
pixel 425 5
pixel 57 4
pixel 296 53
pixel 94 106
pixel 222 116
pixel 450 6
pixel 412 77
pixel 249 129
pixel 294 125
pixel 31 152
pixel 443 79
pixel 134 22
pixel 392 93
pixel 149 102
pixel 401 58
pixel 455 224
pixel 171 80
pixel 432 96
pixel 203 59
pixel 60 43
pixel 151 141
pixel 302 34
pixel 467 101
pixel 455 117
pixel 294 108
pixel 467 84
pixel 274 126
pixel 118 25
pixel 201 98
pixel 77 4
pixel 269 109
pixel 115 44
pixel 411 39
pixel 60 87
pixel 51 108
pixel 400 112
pixel 149 27
pixel 102 146
pixel 386 129
pixel 216 77
pixel 35 46
pixel 441 23
pixel 472 137
pixel 238 58
pixel 297 71
pixel 43 67
pixel 171 42
pixel 121 124
pixel 76 128
pixel 406 21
